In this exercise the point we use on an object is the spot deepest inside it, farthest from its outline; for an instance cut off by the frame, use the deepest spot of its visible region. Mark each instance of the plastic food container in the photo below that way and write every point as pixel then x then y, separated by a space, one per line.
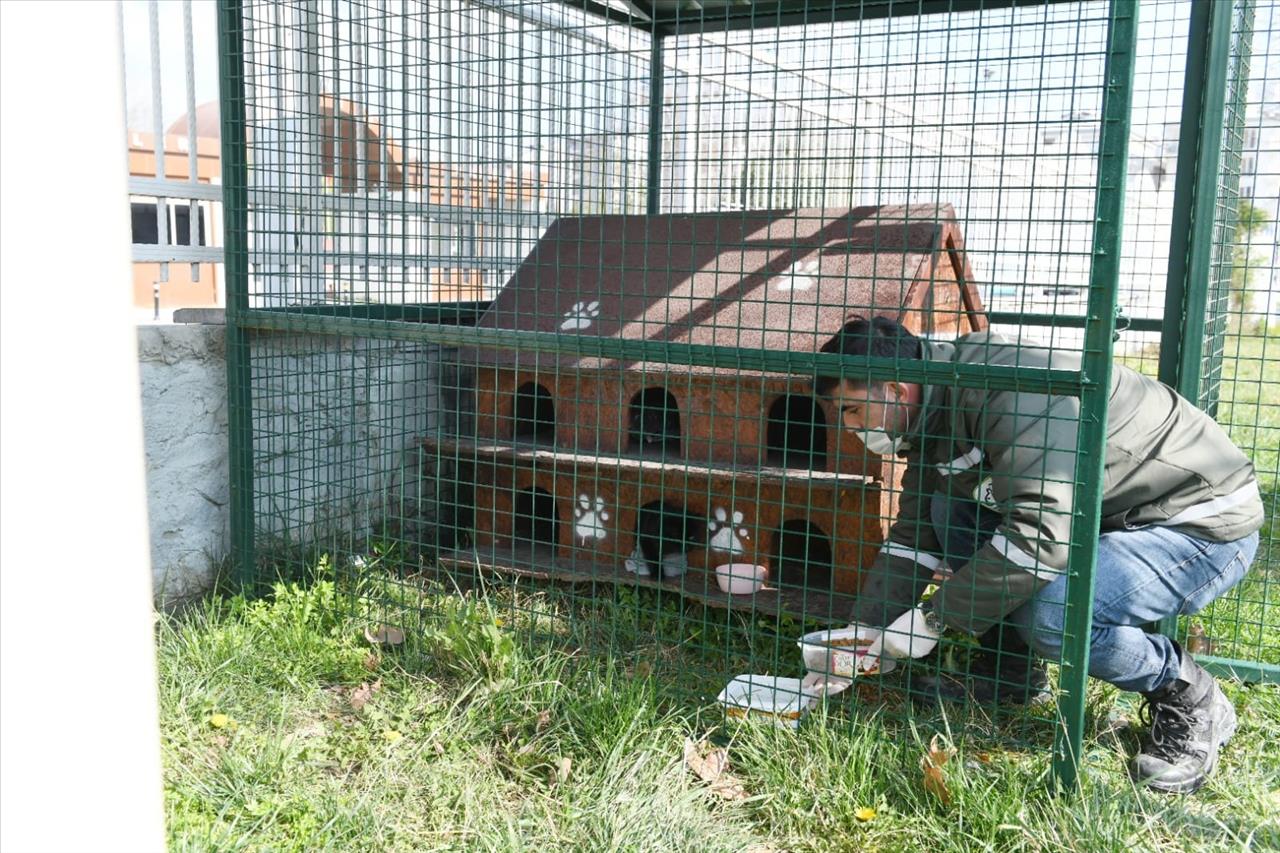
pixel 740 578
pixel 836 652
pixel 782 700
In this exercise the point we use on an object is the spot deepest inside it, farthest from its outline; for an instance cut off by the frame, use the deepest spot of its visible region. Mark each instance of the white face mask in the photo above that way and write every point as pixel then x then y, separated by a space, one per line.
pixel 879 442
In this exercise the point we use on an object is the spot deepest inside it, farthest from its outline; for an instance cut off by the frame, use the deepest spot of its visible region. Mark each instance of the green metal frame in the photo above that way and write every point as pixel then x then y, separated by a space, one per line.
pixel 669 18
pixel 235 225
pixel 1196 190
pixel 1238 88
pixel 445 313
pixel 653 190
pixel 1032 380
pixel 1104 280
pixel 453 324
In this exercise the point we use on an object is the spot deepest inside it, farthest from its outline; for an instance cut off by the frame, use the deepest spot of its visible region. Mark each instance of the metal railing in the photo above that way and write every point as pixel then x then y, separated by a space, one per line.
pixel 157 164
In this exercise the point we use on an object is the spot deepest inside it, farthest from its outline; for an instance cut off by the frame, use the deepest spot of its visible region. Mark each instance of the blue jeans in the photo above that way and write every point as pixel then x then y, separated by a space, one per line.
pixel 1143 576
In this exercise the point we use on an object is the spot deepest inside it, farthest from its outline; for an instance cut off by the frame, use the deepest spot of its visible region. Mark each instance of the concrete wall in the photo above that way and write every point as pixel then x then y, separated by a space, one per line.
pixel 336 459
pixel 336 424
pixel 183 375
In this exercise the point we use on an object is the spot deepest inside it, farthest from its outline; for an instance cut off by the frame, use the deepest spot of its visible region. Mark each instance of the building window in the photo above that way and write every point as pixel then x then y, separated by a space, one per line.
pixel 145 229
pixel 182 219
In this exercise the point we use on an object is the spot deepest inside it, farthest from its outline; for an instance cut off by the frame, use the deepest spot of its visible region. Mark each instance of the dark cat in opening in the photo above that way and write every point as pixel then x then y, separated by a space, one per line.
pixel 654 428
pixel 664 535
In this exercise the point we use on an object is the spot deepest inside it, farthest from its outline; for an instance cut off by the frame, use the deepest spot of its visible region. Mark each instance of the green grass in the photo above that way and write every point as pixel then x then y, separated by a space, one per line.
pixel 504 741
pixel 516 719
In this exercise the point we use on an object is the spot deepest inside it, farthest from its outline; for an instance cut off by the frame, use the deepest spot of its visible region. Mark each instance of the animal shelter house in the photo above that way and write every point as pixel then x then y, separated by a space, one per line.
pixel 547 296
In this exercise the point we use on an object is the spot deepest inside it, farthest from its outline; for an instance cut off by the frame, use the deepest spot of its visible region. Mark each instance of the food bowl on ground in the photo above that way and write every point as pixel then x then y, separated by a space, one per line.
pixel 784 701
pixel 740 578
pixel 837 651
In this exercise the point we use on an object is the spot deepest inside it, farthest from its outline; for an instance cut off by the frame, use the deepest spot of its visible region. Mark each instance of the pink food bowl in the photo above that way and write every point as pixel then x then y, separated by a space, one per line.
pixel 740 578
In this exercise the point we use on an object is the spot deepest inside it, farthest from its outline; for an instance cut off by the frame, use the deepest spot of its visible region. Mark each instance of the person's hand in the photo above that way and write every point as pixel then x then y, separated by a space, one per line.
pixel 912 635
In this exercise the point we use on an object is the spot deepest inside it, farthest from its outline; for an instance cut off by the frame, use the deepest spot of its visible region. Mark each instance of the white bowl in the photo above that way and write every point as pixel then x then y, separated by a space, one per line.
pixel 785 701
pixel 740 578
pixel 836 652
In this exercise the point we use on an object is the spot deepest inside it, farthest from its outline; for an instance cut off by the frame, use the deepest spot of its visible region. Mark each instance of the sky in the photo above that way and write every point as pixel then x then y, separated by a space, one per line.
pixel 137 55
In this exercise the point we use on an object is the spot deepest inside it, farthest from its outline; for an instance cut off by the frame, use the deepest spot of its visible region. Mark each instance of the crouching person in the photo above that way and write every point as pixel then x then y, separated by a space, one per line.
pixel 986 509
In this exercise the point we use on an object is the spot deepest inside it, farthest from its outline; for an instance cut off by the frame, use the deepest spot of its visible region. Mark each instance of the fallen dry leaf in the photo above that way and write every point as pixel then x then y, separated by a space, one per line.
pixel 864 814
pixel 438 747
pixel 372 660
pixel 711 764
pixel 563 766
pixel 940 752
pixel 361 695
pixel 544 720
pixel 384 635
pixel 706 763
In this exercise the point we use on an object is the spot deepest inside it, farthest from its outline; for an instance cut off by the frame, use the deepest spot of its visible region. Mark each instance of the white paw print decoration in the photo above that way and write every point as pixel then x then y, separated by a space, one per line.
pixel 799 276
pixel 580 316
pixel 591 518
pixel 724 537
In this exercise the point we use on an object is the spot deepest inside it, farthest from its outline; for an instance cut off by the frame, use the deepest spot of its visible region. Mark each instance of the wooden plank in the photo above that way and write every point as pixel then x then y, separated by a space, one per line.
pixel 695 585
pixel 527 452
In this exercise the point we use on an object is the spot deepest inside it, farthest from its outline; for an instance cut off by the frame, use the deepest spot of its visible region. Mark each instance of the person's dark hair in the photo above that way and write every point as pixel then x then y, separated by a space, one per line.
pixel 878 337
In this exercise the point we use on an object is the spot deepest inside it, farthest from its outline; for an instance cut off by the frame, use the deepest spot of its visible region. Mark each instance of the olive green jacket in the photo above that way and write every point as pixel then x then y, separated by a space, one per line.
pixel 1167 463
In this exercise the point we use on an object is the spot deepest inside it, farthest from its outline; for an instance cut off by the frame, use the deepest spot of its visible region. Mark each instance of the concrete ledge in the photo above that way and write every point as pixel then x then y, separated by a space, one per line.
pixel 206 316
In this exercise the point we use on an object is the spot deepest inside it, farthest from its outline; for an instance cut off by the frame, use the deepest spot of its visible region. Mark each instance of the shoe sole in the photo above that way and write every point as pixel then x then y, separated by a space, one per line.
pixel 1190 787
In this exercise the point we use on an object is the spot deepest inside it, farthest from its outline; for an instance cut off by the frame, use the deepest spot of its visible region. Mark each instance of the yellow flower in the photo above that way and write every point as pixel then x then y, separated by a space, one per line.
pixel 391 736
pixel 864 814
pixel 219 721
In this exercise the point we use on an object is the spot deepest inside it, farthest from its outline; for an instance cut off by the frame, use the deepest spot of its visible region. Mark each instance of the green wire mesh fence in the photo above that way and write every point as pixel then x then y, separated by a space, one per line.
pixel 532 298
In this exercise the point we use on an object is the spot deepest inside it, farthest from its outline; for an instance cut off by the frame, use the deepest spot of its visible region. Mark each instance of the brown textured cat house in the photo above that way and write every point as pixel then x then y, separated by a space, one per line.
pixel 557 459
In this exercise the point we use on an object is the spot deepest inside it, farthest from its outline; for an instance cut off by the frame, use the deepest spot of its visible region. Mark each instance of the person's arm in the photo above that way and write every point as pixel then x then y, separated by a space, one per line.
pixel 911 555
pixel 1029 441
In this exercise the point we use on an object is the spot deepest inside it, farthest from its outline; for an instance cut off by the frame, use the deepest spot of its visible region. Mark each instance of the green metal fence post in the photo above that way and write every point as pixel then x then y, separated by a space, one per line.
pixel 1228 204
pixel 1194 198
pixel 1096 371
pixel 235 226
pixel 653 190
pixel 1195 194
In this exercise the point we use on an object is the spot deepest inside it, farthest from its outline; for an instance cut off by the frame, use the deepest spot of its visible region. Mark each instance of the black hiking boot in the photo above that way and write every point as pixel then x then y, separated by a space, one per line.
pixel 1190 721
pixel 1004 670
